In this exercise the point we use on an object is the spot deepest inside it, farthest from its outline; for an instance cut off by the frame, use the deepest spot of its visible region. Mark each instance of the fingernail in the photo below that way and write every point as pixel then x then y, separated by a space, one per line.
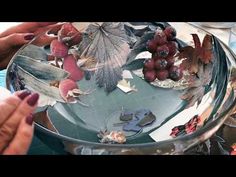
pixel 33 99
pixel 29 119
pixel 29 37
pixel 24 94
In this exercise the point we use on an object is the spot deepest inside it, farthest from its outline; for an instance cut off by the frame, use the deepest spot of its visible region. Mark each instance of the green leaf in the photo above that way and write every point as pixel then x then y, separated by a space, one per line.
pixel 107 43
pixel 140 46
pixel 135 64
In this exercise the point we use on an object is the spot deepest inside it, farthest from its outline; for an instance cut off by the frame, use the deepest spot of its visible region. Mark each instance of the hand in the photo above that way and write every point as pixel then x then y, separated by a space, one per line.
pixel 16 122
pixel 15 37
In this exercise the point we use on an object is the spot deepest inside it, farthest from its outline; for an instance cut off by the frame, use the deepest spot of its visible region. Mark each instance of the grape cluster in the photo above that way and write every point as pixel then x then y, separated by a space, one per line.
pixel 163 48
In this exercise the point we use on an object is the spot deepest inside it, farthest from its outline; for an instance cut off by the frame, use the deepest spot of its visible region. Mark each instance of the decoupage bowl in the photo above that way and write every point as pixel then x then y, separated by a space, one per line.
pixel 180 114
pixel 217 24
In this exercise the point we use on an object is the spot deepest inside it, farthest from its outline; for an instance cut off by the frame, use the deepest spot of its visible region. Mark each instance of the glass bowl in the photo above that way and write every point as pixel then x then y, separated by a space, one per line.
pixel 217 24
pixel 86 127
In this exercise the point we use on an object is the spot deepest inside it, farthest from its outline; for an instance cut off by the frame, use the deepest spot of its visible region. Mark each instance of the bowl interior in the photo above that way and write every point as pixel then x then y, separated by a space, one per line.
pixel 83 123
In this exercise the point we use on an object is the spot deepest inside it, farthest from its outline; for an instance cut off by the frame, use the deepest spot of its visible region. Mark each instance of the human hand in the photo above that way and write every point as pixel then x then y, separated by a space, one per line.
pixel 16 122
pixel 15 37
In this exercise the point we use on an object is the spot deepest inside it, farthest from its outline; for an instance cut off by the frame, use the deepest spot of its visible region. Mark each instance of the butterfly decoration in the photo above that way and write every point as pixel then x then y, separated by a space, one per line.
pixel 197 85
pixel 187 128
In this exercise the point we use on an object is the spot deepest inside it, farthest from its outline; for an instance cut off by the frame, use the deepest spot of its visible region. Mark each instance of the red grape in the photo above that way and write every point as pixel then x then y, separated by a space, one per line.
pixel 170 33
pixel 162 51
pixel 175 73
pixel 172 48
pixel 150 76
pixel 161 64
pixel 162 75
pixel 149 64
pixel 160 38
pixel 170 61
pixel 151 46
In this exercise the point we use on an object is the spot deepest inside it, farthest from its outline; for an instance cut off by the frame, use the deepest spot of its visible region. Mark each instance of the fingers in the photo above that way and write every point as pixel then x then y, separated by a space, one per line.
pixel 10 44
pixel 44 37
pixel 10 104
pixel 12 39
pixel 25 27
pixel 16 39
pixel 8 129
pixel 22 140
pixel 26 34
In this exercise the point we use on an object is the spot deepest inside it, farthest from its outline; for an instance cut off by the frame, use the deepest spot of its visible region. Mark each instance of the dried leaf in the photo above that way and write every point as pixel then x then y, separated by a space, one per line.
pixel 203 76
pixel 107 43
pixel 197 41
pixel 147 120
pixel 127 115
pixel 191 61
pixel 112 137
pixel 193 57
pixel 142 118
pixel 207 54
pixel 196 89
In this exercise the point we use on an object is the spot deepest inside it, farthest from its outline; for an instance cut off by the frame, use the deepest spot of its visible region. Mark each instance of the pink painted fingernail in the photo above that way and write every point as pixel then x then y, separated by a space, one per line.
pixel 32 100
pixel 29 37
pixel 24 94
pixel 29 119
